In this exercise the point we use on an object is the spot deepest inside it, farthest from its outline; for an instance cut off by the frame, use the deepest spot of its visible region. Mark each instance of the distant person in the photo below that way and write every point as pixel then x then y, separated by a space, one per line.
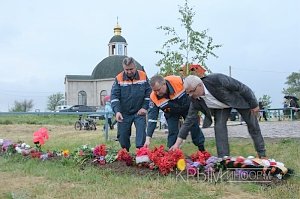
pixel 198 70
pixel 286 103
pixel 130 102
pixel 163 121
pixel 215 95
pixel 108 110
pixel 295 107
pixel 294 103
pixel 262 111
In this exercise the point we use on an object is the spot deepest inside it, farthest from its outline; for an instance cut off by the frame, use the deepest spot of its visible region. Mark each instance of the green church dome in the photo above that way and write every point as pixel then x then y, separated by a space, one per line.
pixel 110 66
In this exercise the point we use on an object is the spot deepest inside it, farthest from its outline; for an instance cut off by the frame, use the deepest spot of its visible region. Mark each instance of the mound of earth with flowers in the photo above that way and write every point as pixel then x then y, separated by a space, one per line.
pixel 200 165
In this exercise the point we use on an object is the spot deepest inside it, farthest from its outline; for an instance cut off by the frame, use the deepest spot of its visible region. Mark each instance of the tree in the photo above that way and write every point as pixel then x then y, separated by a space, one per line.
pixel 195 47
pixel 23 106
pixel 293 82
pixel 54 100
pixel 266 101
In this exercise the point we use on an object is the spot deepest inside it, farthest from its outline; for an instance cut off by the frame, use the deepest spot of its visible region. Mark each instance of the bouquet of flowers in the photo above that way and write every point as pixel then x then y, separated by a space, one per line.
pixel 200 157
pixel 123 155
pixel 100 153
pixel 82 154
pixel 165 160
pixel 142 155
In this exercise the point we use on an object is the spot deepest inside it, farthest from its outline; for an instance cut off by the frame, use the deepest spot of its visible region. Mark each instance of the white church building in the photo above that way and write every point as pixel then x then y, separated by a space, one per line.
pixel 91 89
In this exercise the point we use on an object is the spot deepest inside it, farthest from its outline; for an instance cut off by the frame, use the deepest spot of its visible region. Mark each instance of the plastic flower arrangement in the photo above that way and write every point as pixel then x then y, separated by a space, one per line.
pixel 66 153
pixel 212 164
pixel 100 153
pixel 268 166
pixel 124 155
pixel 142 155
pixel 200 156
pixel 39 137
pixel 82 154
pixel 5 145
pixel 165 160
pixel 181 164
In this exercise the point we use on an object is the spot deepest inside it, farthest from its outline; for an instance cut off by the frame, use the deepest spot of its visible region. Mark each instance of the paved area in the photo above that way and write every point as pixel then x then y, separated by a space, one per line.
pixel 273 129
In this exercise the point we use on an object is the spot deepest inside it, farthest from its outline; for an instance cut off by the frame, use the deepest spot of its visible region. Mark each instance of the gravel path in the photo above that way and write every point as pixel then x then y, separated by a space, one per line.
pixel 278 129
pixel 274 129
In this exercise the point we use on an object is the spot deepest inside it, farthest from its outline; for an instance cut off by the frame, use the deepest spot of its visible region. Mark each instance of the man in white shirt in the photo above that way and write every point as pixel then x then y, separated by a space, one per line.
pixel 215 95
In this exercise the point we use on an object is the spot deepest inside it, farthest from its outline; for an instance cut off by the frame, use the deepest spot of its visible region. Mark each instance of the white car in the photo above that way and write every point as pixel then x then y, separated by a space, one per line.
pixel 62 107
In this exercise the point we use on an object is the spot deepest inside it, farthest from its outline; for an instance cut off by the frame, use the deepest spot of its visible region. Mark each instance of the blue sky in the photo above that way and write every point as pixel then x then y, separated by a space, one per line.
pixel 42 41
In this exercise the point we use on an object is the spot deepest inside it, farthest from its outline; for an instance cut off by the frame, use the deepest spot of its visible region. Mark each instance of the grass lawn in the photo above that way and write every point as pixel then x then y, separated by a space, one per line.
pixel 29 178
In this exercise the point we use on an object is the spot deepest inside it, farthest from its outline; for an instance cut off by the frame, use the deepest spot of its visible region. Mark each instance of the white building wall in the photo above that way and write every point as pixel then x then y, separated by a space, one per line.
pixel 92 88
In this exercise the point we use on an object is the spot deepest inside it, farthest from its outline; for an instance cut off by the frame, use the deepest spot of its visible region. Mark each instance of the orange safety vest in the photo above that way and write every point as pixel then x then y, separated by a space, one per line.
pixel 124 81
pixel 177 85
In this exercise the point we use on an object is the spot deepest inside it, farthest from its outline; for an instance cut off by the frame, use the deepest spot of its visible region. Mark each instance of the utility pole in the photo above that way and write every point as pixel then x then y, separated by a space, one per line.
pixel 229 71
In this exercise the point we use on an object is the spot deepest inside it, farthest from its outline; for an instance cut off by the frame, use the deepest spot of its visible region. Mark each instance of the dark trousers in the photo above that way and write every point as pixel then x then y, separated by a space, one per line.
pixel 173 128
pixel 264 114
pixel 124 130
pixel 221 132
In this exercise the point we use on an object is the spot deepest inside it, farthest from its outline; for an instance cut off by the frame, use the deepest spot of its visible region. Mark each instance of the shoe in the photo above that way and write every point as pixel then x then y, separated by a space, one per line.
pixel 201 148
pixel 263 157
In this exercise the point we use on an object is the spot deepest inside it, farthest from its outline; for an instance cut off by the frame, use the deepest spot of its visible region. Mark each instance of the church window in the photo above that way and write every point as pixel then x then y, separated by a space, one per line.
pixel 120 49
pixel 82 98
pixel 113 49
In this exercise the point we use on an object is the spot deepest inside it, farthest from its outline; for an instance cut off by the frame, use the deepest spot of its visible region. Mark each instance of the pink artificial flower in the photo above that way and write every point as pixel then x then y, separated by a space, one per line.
pixel 40 136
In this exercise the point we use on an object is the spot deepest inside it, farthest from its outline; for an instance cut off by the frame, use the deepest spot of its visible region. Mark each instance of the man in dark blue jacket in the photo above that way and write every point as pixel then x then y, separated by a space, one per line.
pixel 130 101
pixel 168 94
pixel 215 95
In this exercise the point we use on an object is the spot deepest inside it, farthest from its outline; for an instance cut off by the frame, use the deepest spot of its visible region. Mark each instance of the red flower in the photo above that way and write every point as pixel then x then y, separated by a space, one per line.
pixel 123 155
pixel 40 136
pixel 102 162
pixel 100 150
pixel 142 151
pixel 156 154
pixel 192 171
pixel 35 154
pixel 81 153
pixel 165 160
pixel 200 156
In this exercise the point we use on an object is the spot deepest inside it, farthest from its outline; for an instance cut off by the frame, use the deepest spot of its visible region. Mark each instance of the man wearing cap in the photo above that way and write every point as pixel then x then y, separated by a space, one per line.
pixel 215 95
pixel 197 70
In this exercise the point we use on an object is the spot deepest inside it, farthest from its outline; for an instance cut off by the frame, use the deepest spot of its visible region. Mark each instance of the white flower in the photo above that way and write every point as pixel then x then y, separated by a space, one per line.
pixel 1 141
pixel 248 162
pixel 265 163
pixel 44 156
pixel 18 149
